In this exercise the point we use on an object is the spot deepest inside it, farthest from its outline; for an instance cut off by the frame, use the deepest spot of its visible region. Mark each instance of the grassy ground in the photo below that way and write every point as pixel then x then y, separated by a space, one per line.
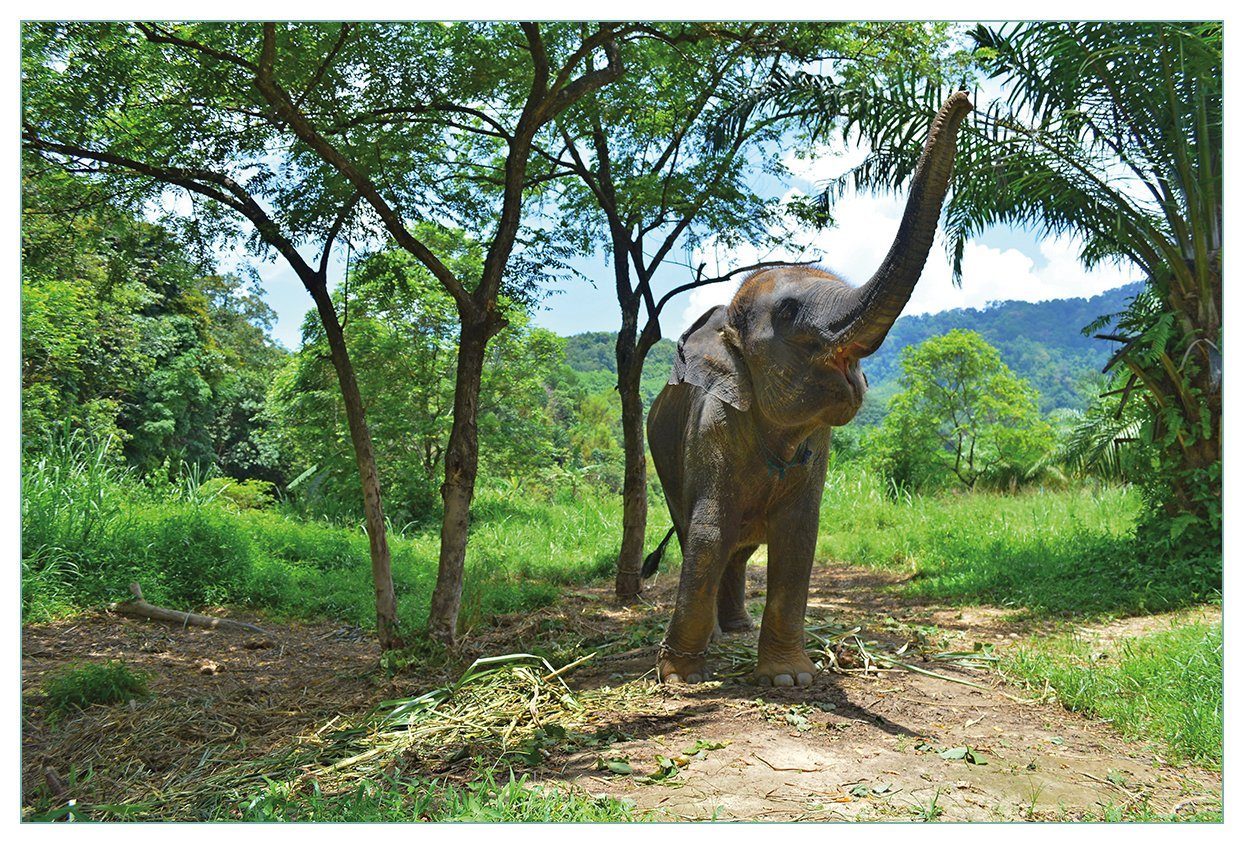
pixel 1165 687
pixel 89 530
pixel 1066 551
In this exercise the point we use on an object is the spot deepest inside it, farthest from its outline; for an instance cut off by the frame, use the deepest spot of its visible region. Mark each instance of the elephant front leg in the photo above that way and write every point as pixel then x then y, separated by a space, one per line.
pixel 782 660
pixel 732 614
pixel 682 654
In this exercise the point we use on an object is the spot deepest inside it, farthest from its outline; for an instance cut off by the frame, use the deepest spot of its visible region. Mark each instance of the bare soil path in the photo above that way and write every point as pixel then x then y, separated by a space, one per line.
pixel 871 746
pixel 867 746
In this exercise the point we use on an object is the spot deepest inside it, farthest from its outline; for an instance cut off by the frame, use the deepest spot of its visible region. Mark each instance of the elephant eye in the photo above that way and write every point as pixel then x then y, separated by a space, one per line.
pixel 786 310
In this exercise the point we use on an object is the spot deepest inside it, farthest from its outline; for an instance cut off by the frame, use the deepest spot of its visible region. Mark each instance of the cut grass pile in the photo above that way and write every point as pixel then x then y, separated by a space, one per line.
pixel 1165 687
pixel 457 752
pixel 1066 551
pixel 405 799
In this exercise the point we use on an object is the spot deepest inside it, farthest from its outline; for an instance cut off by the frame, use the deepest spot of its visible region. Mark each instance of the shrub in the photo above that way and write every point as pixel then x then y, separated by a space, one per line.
pixel 181 554
pixel 82 686
pixel 251 494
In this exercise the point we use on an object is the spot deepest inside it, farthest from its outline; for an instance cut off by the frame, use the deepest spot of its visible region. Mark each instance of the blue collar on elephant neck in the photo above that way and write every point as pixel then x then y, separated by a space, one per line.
pixel 778 466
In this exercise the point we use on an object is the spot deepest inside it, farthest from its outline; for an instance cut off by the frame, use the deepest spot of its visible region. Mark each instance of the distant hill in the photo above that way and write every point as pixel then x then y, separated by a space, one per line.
pixel 1040 341
pixel 592 354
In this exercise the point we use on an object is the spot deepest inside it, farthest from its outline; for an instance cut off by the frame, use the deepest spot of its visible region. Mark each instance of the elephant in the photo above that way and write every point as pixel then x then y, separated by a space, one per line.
pixel 740 434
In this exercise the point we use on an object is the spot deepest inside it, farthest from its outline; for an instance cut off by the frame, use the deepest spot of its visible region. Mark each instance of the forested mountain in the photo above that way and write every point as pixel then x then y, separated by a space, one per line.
pixel 1041 342
pixel 592 355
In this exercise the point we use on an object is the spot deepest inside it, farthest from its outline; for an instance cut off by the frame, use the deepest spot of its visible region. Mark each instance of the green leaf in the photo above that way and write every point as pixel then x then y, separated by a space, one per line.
pixel 615 765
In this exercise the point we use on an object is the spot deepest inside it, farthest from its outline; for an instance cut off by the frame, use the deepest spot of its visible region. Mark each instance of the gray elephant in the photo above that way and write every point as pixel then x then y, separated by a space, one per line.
pixel 740 434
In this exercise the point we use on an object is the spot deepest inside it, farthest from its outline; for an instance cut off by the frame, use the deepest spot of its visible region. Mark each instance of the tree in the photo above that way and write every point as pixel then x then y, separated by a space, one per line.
pixel 401 330
pixel 657 171
pixel 639 151
pixel 1110 133
pixel 123 335
pixel 305 129
pixel 961 416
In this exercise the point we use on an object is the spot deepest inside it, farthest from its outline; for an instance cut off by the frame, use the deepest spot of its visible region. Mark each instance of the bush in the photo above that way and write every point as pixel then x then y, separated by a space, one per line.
pixel 82 686
pixel 251 494
pixel 182 554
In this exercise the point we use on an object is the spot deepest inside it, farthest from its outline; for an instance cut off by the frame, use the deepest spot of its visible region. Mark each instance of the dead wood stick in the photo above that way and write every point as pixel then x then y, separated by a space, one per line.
pixel 776 768
pixel 139 608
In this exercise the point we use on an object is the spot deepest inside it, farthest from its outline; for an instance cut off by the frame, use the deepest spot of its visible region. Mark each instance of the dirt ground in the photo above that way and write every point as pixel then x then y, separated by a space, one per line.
pixel 853 746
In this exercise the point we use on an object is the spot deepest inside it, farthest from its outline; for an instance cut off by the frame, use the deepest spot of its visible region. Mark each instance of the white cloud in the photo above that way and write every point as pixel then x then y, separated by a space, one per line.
pixel 1041 270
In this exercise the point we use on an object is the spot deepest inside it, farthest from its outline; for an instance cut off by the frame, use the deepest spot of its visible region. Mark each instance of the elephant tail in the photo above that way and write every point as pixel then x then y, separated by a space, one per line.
pixel 653 560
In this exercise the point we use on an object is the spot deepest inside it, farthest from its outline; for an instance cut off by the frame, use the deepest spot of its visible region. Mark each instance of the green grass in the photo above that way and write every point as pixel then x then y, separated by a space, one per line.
pixel 90 529
pixel 81 686
pixel 1048 551
pixel 404 799
pixel 394 798
pixel 1165 687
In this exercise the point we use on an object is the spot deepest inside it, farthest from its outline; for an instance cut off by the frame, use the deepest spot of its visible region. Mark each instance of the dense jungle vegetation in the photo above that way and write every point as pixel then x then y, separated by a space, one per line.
pixel 1060 460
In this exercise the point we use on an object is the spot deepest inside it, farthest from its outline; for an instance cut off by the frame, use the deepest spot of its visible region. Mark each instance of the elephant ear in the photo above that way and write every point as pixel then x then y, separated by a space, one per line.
pixel 705 360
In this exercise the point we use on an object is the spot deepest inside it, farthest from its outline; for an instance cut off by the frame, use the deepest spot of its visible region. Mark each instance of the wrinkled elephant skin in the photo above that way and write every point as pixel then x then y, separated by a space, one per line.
pixel 740 435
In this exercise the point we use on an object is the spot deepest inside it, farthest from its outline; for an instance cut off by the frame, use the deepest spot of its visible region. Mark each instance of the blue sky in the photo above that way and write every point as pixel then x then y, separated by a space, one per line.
pixel 1005 263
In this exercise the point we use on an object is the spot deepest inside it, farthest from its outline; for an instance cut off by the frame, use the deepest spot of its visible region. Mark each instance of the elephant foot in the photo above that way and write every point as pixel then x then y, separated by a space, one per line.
pixel 785 670
pixel 736 624
pixel 679 668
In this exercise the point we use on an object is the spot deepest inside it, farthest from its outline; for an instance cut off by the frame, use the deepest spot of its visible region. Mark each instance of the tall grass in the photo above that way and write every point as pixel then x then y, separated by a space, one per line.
pixel 1048 550
pixel 89 528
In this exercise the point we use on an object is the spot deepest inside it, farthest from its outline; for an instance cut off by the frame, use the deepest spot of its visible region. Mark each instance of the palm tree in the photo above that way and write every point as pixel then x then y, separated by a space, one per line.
pixel 1110 133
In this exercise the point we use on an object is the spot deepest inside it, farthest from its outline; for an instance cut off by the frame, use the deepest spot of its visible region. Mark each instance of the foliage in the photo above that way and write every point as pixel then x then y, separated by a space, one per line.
pixel 1166 685
pixel 592 356
pixel 251 494
pixel 401 329
pixel 962 415
pixel 122 336
pixel 89 529
pixel 1109 133
pixel 80 686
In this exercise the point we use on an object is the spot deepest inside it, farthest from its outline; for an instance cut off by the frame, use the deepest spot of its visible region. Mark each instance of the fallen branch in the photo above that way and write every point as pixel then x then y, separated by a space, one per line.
pixel 139 608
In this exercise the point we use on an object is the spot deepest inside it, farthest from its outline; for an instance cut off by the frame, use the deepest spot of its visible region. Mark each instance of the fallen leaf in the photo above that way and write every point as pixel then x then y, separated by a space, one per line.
pixel 617 766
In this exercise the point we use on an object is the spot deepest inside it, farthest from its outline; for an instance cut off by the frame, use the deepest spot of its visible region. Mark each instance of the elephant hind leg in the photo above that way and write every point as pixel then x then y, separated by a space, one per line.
pixel 732 614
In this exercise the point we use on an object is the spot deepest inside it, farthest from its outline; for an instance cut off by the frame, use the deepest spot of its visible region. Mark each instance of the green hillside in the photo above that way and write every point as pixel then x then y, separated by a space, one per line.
pixel 592 355
pixel 1040 341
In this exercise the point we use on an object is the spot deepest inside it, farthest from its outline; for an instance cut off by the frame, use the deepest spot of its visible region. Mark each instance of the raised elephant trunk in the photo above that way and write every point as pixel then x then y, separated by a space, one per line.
pixel 876 305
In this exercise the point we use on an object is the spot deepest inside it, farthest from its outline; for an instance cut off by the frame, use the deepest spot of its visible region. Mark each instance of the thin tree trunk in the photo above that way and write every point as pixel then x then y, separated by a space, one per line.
pixel 635 481
pixel 373 511
pixel 461 467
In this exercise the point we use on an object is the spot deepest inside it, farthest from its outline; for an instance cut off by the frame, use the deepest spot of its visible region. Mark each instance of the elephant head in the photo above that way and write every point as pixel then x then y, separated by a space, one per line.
pixel 794 336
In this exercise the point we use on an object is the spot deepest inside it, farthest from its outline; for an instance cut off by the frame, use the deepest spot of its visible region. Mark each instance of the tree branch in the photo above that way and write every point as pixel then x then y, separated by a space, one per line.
pixel 265 81
pixel 158 36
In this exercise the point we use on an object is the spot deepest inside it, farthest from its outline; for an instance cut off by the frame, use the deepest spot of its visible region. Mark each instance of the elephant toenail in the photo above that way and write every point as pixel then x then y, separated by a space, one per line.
pixel 783 680
pixel 694 678
pixel 672 678
pixel 765 681
pixel 804 678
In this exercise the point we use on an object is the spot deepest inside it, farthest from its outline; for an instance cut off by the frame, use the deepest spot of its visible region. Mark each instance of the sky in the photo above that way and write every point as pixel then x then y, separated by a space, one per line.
pixel 1005 263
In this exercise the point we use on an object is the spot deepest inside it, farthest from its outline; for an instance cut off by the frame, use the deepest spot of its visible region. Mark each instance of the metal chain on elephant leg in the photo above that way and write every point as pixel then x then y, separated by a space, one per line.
pixel 664 649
